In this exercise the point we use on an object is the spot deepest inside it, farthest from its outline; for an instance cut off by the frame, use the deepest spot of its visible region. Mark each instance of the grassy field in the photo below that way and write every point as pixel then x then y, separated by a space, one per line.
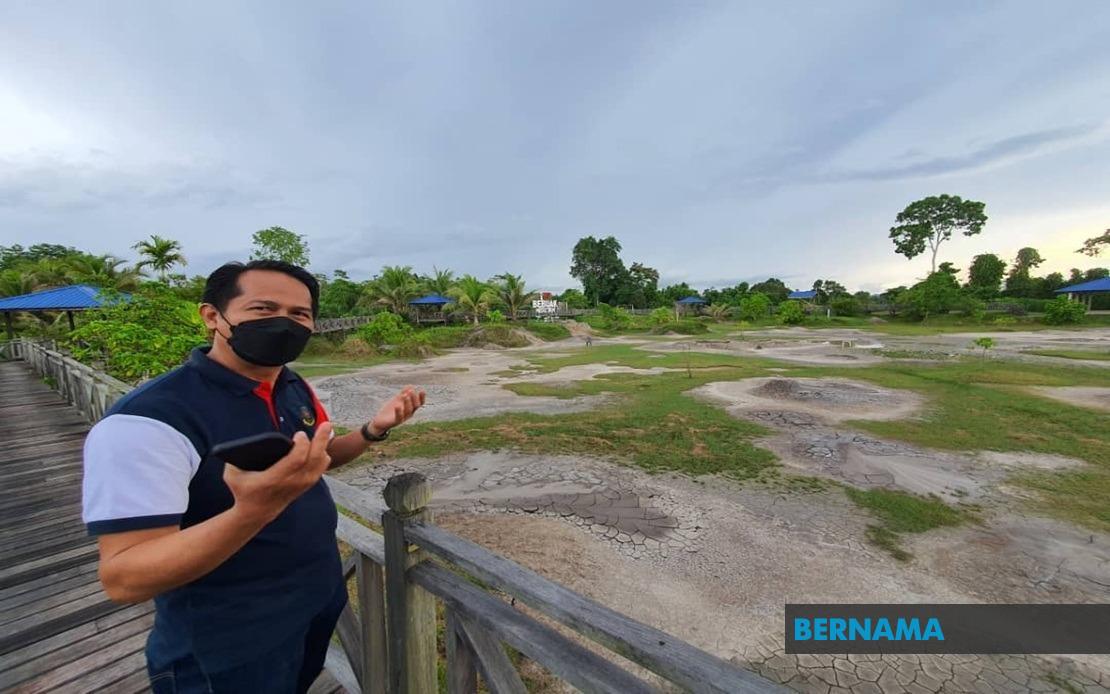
pixel 1072 354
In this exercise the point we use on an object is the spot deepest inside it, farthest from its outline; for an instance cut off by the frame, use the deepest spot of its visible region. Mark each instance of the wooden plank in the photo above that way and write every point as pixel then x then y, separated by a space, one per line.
pixel 497 670
pixel 55 620
pixel 45 566
pixel 462 672
pixel 87 667
pixel 71 636
pixel 361 538
pixel 106 677
pixel 658 651
pixel 49 601
pixel 350 640
pixel 336 663
pixel 580 667
pixel 356 500
pixel 55 659
pixel 136 682
pixel 371 599
pixel 71 573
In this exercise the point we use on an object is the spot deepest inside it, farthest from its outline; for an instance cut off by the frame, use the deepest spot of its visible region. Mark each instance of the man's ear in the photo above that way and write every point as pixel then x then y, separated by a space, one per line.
pixel 209 315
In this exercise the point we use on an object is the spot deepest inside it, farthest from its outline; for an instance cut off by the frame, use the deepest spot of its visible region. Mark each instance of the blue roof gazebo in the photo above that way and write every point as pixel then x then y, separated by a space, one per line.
pixel 76 297
pixel 1086 291
pixel 432 303
pixel 694 303
pixel 807 295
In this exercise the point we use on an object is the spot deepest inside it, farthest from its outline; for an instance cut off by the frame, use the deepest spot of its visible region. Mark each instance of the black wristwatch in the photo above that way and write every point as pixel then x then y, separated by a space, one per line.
pixel 370 437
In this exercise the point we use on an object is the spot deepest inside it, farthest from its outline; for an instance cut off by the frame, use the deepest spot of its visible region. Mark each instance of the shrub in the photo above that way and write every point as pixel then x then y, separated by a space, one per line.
pixel 495 316
pixel 1005 320
pixel 146 336
pixel 548 331
pixel 385 328
pixel 846 306
pixel 355 348
pixel 417 345
pixel 1062 311
pixel 791 312
pixel 661 316
pixel 502 335
pixel 755 306
pixel 447 336
pixel 682 327
pixel 613 318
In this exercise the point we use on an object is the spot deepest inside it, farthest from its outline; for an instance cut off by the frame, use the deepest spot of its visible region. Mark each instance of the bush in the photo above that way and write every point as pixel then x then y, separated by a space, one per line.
pixel 613 318
pixel 661 316
pixel 356 348
pixel 682 327
pixel 385 328
pixel 417 345
pixel 791 312
pixel 447 336
pixel 320 346
pixel 846 306
pixel 495 316
pixel 1062 311
pixel 1012 308
pixel 502 335
pixel 146 336
pixel 547 331
pixel 755 306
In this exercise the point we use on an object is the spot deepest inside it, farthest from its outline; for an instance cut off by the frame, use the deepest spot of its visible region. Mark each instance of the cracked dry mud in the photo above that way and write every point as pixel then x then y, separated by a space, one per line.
pixel 714 562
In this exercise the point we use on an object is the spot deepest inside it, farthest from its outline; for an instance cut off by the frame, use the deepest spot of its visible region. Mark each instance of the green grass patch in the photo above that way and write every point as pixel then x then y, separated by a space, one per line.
pixel 1090 355
pixel 547 331
pixel 898 513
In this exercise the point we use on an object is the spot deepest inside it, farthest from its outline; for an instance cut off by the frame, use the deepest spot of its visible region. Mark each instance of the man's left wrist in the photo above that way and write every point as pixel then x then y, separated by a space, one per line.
pixel 372 433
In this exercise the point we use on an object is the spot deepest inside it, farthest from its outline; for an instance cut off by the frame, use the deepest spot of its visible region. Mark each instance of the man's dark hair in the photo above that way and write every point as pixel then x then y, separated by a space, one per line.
pixel 223 284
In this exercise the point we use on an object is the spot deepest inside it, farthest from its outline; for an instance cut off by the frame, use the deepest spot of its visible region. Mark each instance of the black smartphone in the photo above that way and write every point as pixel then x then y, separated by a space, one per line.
pixel 254 453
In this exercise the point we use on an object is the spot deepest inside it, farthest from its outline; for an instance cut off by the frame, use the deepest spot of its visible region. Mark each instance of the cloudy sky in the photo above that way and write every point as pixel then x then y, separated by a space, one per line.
pixel 719 141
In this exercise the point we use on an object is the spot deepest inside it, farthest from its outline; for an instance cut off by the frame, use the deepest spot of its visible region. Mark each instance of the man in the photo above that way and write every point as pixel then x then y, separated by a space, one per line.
pixel 243 566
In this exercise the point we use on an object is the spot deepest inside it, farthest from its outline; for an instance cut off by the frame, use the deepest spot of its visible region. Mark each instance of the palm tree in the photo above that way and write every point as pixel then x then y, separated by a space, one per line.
pixel 719 311
pixel 104 271
pixel 440 282
pixel 473 296
pixel 18 282
pixel 159 254
pixel 512 293
pixel 393 288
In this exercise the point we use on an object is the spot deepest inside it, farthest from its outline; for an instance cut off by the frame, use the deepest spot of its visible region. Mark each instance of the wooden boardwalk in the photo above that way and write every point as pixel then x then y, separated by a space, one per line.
pixel 58 631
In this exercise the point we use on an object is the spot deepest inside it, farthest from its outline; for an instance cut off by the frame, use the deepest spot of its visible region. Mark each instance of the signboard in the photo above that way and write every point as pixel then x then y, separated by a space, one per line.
pixel 545 309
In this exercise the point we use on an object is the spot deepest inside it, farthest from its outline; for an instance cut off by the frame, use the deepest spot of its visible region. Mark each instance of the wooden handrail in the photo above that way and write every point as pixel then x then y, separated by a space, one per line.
pixel 475 616
pixel 92 392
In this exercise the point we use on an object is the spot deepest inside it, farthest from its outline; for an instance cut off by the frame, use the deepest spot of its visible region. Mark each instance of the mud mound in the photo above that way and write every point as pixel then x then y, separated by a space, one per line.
pixel 500 336
pixel 828 399
pixel 578 329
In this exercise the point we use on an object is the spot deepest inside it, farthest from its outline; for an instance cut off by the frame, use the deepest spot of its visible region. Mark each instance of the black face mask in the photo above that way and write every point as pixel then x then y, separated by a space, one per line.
pixel 268 341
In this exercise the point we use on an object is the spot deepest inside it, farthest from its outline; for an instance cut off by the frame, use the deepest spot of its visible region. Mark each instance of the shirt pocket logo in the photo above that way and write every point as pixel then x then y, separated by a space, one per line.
pixel 308 418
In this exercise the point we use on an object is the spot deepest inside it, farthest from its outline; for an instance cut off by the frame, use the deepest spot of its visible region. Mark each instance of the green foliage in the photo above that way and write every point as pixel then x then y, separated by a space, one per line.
pixel 791 312
pixel 547 331
pixel 984 343
pixel 846 306
pixel 473 297
pixel 159 254
pixel 393 288
pixel 613 318
pixel 681 327
pixel 755 306
pixel 447 336
pixel 512 292
pixel 339 297
pixel 573 298
pixel 1020 281
pixel 278 243
pixel 932 220
pixel 1063 311
pixel 495 316
pixel 1093 246
pixel 936 294
pixel 143 337
pixel 984 277
pixel 661 316
pixel 439 282
pixel 385 328
pixel 900 512
pixel 773 288
pixel 596 263
pixel 718 311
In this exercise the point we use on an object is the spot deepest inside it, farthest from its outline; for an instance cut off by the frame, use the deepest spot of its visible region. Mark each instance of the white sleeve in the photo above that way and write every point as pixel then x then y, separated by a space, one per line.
pixel 137 474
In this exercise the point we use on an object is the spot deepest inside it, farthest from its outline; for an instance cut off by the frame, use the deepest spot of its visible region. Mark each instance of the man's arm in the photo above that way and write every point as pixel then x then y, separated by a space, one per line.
pixel 137 565
pixel 343 449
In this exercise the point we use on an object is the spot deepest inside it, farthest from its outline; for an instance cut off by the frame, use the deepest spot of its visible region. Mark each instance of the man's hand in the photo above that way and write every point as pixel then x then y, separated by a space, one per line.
pixel 262 496
pixel 397 411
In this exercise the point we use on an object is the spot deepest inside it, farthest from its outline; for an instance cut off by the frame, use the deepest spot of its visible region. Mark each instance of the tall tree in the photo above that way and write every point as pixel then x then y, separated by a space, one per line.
pixel 645 284
pixel 105 271
pixel 828 289
pixel 984 277
pixel 394 288
pixel 159 254
pixel 278 243
pixel 931 221
pixel 774 288
pixel 439 282
pixel 1020 281
pixel 596 263
pixel 512 292
pixel 472 296
pixel 1093 246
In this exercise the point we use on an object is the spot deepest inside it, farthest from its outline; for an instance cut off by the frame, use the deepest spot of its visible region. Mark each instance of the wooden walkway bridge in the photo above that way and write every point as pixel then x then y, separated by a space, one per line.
pixel 58 631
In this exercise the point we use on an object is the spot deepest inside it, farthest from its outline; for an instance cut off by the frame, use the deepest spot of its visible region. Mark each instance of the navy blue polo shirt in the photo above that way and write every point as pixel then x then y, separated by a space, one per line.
pixel 147 465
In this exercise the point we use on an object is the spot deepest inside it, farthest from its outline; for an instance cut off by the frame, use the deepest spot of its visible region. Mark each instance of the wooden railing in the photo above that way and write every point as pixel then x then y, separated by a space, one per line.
pixel 90 391
pixel 331 325
pixel 390 645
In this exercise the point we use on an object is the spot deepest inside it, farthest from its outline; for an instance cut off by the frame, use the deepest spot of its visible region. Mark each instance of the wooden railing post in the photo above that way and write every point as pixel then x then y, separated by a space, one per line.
pixel 411 609
pixel 371 608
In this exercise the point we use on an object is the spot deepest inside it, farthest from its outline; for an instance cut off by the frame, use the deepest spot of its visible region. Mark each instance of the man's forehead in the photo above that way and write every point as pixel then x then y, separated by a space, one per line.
pixel 270 285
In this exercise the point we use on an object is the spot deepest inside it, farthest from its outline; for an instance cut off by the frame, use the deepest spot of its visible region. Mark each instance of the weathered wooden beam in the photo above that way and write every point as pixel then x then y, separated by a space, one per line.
pixel 498 671
pixel 658 651
pixel 462 673
pixel 371 609
pixel 356 500
pixel 411 611
pixel 579 666
pixel 361 538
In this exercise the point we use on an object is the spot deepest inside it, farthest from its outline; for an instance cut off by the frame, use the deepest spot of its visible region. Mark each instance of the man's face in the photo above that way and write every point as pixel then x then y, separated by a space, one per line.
pixel 262 294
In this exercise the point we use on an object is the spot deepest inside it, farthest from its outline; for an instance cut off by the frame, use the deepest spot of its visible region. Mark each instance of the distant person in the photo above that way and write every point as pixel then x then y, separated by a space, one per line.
pixel 243 566
pixel 589 341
